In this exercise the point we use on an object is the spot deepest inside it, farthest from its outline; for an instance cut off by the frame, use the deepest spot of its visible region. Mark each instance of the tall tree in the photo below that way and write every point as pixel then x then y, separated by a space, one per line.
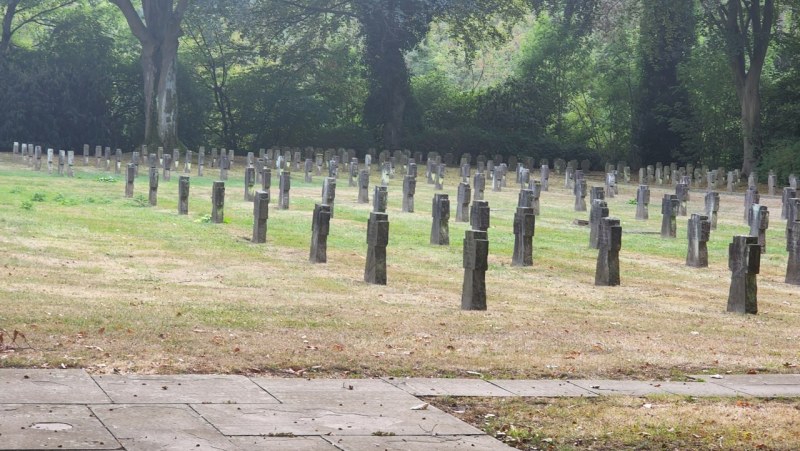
pixel 158 32
pixel 746 27
pixel 665 38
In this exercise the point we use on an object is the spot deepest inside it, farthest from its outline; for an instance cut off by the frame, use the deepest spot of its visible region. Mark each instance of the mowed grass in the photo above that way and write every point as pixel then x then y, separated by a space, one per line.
pixel 98 281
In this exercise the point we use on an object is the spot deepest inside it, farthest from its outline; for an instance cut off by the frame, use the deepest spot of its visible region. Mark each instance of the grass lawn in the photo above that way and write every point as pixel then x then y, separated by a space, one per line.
pixel 97 281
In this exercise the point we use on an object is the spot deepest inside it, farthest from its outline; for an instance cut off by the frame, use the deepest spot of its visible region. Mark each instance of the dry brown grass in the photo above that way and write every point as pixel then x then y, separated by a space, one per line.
pixel 653 423
pixel 108 286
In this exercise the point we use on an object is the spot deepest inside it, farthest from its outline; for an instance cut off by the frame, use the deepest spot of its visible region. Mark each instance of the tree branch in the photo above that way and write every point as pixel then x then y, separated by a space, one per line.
pixel 135 23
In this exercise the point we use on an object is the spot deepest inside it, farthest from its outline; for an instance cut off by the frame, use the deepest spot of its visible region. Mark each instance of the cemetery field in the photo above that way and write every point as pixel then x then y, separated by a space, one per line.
pixel 97 281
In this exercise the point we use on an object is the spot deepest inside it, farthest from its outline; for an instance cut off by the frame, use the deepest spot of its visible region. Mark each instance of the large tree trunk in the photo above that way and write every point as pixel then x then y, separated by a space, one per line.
pixel 5 34
pixel 750 98
pixel 158 34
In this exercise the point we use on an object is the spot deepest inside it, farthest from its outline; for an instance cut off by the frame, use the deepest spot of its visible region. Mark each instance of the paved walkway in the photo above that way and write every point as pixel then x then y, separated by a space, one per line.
pixel 70 409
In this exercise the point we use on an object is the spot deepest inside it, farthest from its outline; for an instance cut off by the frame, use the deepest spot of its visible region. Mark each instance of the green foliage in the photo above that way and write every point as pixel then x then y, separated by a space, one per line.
pixel 139 201
pixel 38 197
pixel 26 205
pixel 783 157
pixel 107 179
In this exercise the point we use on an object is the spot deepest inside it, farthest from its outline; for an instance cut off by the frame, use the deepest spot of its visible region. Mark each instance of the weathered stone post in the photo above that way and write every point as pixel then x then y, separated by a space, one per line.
pixel 439 181
pixel 214 158
pixel 480 215
pixel 669 212
pixel 479 182
pixel 363 187
pixel 70 163
pixel 698 233
pixel 218 202
pixel 50 161
pixel 598 212
pixel 751 197
pixel 580 195
pixel 266 179
pixel 98 155
pixel 712 208
pixel 352 180
pixel 759 223
pixel 377 240
pixel 187 164
pixel 744 261
pixel 320 226
pixel 86 155
pixel 224 165
pixel 792 181
pixel 792 215
pixel 440 229
pixel 642 202
pixel 167 167
pixel 475 262
pixel 308 167
pixel 37 153
pixel 329 193
pixel 464 199
pixel 183 195
pixel 772 180
pixel 176 158
pixel 536 193
pixel 249 183
pixel 153 186
pixel 610 243
pixel 524 230
pixel 129 179
pixel 284 185
pixel 380 199
pixel 793 264
pixel 260 216
pixel 682 193
pixel 409 190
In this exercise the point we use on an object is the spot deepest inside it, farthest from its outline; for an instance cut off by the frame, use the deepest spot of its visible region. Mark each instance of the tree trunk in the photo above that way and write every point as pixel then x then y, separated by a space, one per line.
pixel 167 95
pixel 750 98
pixel 8 18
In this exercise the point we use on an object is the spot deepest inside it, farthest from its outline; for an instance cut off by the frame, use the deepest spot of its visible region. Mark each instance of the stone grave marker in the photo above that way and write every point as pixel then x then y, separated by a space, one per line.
pixel 545 177
pixel 580 195
pixel 320 227
pixel 260 217
pixel 218 202
pixel 730 181
pixel 363 186
pixel 70 163
pixel 329 193
pixel 249 183
pixel 698 233
pixel 682 193
pixel 130 177
pixel 610 243
pixel 409 190
pixel 50 161
pixel 712 208
pixel 440 229
pixel 759 223
pixel 284 185
pixel 308 167
pixel 772 180
pixel 751 197
pixel 176 159
pixel 187 164
pixel 380 199
pixel 598 212
pixel 464 199
pixel 792 181
pixel 793 264
pixel 479 215
pixel 167 167
pixel 266 179
pixel 224 165
pixel 439 180
pixel 377 241
pixel 153 186
pixel 524 230
pixel 86 154
pixel 479 184
pixel 497 179
pixel 536 193
pixel 744 261
pixel 642 203
pixel 214 157
pixel 669 213
pixel 201 161
pixel 788 193
pixel 117 161
pixel 183 195
pixel 611 185
pixel 352 180
pixel 37 153
pixel 98 156
pixel 475 262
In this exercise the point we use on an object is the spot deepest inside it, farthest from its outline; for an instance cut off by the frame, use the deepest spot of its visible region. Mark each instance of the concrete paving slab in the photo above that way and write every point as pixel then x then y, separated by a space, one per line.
pixel 182 389
pixel 260 443
pixel 698 389
pixel 27 426
pixel 624 388
pixel 49 387
pixel 334 391
pixel 250 419
pixel 420 443
pixel 447 387
pixel 162 427
pixel 543 388
pixel 754 379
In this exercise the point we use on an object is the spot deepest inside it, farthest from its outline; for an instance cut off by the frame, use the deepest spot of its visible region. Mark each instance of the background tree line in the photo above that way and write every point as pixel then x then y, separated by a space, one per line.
pixel 638 80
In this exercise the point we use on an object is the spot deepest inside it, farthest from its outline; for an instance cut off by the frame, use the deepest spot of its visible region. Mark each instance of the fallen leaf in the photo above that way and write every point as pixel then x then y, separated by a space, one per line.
pixel 423 406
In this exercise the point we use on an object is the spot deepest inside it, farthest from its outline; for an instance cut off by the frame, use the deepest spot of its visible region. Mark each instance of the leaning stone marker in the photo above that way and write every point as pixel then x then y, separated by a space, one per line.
pixel 744 261
pixel 260 216
pixel 440 229
pixel 610 243
pixel 698 232
pixel 759 223
pixel 183 195
pixel 320 226
pixel 377 240
pixel 218 202
pixel 669 212
pixel 475 262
